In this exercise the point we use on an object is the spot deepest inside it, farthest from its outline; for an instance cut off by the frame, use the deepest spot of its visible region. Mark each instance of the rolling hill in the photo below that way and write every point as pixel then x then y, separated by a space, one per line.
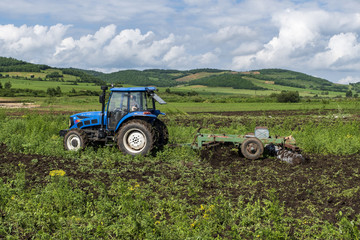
pixel 263 79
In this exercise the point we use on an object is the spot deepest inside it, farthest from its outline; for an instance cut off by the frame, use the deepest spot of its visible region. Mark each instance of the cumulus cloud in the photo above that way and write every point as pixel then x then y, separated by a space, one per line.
pixel 349 79
pixel 307 39
pixel 28 42
pixel 297 31
pixel 343 50
pixel 248 34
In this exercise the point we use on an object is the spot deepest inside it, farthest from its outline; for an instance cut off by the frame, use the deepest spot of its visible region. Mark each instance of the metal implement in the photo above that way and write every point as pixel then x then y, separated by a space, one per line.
pixel 252 146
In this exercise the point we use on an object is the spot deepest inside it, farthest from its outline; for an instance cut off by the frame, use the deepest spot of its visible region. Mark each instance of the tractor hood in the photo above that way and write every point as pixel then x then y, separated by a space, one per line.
pixel 85 119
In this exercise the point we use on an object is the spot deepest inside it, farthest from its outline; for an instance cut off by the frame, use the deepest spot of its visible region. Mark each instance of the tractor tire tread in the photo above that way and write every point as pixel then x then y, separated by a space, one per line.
pixel 81 134
pixel 143 123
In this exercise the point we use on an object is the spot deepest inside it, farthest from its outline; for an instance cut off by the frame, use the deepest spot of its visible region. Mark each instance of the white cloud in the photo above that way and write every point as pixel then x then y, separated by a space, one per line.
pixel 307 36
pixel 297 31
pixel 342 49
pixel 29 42
pixel 174 53
pixel 349 79
pixel 232 33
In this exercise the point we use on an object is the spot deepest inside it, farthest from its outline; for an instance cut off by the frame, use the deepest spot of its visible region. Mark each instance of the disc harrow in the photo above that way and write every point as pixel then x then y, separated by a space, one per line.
pixel 253 145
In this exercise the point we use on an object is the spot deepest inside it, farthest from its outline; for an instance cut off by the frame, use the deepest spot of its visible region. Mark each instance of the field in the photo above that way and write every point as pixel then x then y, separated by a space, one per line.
pixel 204 90
pixel 180 193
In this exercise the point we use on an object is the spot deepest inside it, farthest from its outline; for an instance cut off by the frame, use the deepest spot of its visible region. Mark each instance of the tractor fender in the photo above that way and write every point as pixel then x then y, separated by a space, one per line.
pixel 135 115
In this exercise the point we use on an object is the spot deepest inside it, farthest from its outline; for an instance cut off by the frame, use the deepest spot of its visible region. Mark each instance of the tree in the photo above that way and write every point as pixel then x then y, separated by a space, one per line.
pixel 8 85
pixel 349 93
pixel 58 91
pixel 288 96
pixel 0 85
pixel 51 92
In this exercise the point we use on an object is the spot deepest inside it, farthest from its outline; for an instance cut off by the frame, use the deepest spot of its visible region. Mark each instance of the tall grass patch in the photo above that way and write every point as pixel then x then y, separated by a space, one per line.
pixel 329 137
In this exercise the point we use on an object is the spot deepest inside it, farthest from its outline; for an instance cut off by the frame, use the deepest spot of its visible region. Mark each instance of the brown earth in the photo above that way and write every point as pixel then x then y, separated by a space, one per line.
pixel 321 187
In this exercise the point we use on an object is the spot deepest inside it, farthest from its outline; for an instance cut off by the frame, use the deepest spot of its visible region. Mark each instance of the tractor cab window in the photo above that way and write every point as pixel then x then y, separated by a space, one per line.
pixel 149 102
pixel 118 102
pixel 118 107
pixel 139 101
pixel 121 103
pixel 135 101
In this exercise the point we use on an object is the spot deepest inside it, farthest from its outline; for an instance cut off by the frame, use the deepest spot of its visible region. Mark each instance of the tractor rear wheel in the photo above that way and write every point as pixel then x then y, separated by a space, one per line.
pixel 75 139
pixel 252 148
pixel 161 134
pixel 135 137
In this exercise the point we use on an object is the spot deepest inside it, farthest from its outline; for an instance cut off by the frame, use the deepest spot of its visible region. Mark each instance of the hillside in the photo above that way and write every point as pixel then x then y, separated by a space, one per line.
pixel 13 68
pixel 258 79
pixel 263 79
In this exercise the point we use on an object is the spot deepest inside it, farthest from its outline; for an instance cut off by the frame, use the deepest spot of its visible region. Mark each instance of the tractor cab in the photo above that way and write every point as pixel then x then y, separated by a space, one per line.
pixel 125 103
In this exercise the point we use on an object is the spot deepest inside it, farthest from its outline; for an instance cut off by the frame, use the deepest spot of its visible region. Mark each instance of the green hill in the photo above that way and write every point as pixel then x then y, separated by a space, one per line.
pixel 257 79
pixel 14 65
pixel 264 79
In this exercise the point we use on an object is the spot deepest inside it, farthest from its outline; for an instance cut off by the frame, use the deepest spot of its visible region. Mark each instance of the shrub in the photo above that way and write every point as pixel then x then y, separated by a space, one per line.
pixel 288 96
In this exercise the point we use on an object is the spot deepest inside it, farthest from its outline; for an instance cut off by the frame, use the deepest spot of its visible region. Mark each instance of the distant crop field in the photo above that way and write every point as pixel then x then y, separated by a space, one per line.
pixel 225 107
pixel 41 74
pixel 204 90
pixel 44 85
pixel 196 76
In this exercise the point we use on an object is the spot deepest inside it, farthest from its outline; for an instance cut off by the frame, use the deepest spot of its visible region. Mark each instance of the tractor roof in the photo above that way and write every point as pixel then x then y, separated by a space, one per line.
pixel 133 89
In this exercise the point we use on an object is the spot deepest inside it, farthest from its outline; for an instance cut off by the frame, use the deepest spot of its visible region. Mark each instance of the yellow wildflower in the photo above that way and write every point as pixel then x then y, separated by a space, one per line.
pixel 57 173
pixel 136 185
pixel 157 222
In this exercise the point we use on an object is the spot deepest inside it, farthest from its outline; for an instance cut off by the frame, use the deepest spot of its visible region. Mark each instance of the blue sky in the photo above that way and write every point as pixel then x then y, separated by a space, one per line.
pixel 319 37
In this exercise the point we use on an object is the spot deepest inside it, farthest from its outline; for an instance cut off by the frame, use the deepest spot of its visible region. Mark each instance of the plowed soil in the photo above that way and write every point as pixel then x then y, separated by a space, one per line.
pixel 321 187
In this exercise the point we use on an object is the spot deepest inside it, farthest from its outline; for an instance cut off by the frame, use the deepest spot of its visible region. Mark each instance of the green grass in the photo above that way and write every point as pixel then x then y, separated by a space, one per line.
pixel 44 85
pixel 174 195
pixel 41 74
pixel 91 103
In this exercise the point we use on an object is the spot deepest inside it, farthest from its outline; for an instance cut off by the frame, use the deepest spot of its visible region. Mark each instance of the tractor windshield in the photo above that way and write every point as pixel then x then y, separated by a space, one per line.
pixel 121 103
pixel 129 102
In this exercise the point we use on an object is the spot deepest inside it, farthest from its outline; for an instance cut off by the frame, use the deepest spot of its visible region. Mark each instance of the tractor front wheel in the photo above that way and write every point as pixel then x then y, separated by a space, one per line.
pixel 135 137
pixel 252 148
pixel 74 140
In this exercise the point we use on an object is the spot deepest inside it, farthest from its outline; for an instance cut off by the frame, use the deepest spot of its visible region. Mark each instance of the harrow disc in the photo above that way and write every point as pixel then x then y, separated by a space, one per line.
pixel 290 156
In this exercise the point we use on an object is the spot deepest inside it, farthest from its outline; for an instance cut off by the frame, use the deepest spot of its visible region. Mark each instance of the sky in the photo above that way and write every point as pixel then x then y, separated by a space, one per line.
pixel 319 37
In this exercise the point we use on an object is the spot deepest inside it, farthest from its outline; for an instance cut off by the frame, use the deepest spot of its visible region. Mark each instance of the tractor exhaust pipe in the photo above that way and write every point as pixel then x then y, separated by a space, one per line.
pixel 102 133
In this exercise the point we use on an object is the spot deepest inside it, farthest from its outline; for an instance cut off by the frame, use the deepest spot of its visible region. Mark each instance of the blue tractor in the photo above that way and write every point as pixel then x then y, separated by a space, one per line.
pixel 129 120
